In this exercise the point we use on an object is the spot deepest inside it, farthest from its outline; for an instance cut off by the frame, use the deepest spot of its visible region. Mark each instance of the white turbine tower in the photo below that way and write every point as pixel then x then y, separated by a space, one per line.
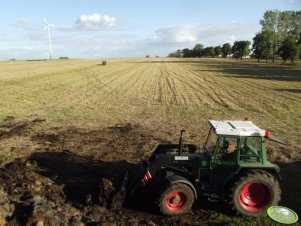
pixel 47 27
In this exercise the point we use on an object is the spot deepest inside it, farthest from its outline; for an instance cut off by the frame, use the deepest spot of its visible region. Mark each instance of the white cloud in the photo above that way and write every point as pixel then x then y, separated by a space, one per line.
pixel 180 33
pixel 95 21
pixel 28 48
pixel 20 23
pixel 21 53
pixel 207 34
pixel 295 2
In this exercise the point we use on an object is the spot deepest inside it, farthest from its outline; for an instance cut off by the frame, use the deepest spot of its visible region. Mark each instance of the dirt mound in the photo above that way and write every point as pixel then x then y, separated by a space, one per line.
pixel 61 188
pixel 57 188
pixel 70 175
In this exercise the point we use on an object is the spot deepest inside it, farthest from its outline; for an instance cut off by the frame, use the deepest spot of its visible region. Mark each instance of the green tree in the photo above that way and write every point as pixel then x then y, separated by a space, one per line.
pixel 270 24
pixel 289 49
pixel 217 51
pixel 299 45
pixel 198 50
pixel 209 51
pixel 241 49
pixel 257 46
pixel 289 23
pixel 187 52
pixel 297 22
pixel 279 25
pixel 178 54
pixel 226 49
pixel 262 46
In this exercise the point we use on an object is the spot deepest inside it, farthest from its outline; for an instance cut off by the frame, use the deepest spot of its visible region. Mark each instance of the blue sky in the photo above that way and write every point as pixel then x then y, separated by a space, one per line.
pixel 104 29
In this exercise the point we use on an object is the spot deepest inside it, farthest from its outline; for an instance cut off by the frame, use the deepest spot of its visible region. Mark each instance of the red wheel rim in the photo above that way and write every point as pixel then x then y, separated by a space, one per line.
pixel 254 196
pixel 175 201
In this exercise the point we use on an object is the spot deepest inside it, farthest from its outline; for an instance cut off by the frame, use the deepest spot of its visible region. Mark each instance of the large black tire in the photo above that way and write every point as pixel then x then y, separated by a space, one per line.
pixel 254 192
pixel 176 199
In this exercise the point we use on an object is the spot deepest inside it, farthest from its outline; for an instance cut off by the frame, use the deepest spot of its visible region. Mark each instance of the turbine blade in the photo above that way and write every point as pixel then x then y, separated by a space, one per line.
pixel 53 25
pixel 45 28
pixel 45 20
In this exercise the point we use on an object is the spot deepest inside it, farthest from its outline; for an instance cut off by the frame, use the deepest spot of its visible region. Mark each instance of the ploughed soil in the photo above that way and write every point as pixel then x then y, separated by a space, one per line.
pixel 67 175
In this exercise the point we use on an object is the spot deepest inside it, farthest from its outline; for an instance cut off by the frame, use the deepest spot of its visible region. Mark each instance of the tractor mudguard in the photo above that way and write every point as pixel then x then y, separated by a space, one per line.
pixel 178 179
pixel 273 169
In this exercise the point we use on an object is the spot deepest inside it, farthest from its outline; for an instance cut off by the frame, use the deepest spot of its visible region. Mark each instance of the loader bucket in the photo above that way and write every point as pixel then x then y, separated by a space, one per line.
pixel 130 183
pixel 119 196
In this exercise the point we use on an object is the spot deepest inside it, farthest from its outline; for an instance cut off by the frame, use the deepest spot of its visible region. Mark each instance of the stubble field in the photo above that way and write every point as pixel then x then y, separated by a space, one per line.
pixel 64 125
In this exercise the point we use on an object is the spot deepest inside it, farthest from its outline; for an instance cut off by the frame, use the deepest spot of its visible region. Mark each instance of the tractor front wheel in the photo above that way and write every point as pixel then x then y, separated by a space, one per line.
pixel 254 192
pixel 176 199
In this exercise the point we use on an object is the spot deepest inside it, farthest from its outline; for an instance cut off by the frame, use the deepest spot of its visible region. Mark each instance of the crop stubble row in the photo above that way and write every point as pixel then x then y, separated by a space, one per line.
pixel 132 88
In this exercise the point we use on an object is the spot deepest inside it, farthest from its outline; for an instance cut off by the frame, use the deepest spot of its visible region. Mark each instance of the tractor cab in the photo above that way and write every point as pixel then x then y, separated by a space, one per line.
pixel 233 146
pixel 236 141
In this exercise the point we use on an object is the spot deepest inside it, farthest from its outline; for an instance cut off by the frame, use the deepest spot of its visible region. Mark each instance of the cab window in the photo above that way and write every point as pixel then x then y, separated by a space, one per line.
pixel 211 140
pixel 251 149
pixel 227 147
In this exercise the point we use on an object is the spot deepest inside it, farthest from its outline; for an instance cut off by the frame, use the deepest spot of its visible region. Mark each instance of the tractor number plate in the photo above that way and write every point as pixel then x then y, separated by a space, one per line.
pixel 181 158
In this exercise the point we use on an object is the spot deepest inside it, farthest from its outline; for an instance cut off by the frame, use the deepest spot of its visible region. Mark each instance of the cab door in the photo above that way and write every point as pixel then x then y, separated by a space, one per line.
pixel 225 162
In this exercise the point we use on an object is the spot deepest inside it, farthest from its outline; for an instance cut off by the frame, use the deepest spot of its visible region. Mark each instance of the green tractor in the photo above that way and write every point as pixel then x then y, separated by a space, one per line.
pixel 232 167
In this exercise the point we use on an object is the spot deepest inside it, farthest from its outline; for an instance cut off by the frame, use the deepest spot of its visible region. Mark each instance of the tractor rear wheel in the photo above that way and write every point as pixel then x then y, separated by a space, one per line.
pixel 254 192
pixel 176 199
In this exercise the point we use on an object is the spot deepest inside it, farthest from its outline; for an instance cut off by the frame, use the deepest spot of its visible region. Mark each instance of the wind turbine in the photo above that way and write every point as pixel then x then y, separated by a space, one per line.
pixel 47 27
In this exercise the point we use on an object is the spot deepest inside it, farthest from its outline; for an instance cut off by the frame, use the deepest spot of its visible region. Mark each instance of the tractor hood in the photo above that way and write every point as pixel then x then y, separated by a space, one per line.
pixel 276 139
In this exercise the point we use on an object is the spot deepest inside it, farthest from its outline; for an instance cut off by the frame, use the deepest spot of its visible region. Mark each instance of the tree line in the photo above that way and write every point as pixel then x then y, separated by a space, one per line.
pixel 280 36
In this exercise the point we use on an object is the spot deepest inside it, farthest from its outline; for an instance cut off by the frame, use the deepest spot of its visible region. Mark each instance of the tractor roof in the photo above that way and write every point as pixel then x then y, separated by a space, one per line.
pixel 237 128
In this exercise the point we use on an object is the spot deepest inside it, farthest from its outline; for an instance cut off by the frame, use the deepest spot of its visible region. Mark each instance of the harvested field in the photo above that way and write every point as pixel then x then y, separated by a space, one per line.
pixel 68 129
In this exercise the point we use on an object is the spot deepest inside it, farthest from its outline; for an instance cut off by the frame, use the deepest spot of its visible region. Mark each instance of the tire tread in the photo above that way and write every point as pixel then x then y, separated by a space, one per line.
pixel 269 178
